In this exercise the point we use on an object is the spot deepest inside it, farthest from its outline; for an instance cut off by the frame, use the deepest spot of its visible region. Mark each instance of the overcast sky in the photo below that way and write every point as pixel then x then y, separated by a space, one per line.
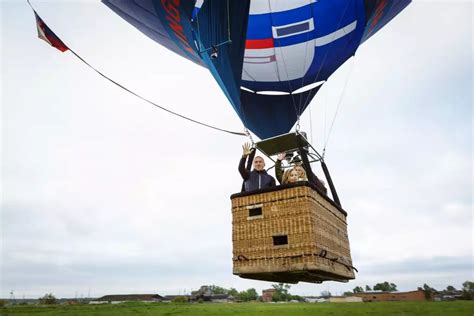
pixel 102 193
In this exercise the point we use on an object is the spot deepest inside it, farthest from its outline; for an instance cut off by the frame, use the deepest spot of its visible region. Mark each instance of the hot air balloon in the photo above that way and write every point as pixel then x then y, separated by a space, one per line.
pixel 270 58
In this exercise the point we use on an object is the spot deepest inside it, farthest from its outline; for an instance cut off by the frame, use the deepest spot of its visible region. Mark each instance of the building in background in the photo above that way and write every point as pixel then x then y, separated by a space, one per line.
pixel 379 296
pixel 345 299
pixel 267 295
pixel 130 298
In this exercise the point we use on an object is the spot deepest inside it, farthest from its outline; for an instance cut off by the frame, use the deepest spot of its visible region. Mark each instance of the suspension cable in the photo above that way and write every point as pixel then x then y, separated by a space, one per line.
pixel 153 103
pixel 310 124
pixel 247 133
pixel 199 33
pixel 228 22
pixel 319 71
pixel 327 51
pixel 341 97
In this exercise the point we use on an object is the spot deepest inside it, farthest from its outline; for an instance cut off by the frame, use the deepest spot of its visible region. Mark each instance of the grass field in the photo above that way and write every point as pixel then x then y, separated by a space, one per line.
pixel 461 308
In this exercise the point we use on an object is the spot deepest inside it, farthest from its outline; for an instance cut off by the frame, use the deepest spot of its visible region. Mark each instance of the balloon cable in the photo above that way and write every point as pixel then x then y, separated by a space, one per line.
pixel 327 51
pixel 310 124
pixel 145 99
pixel 153 103
pixel 341 97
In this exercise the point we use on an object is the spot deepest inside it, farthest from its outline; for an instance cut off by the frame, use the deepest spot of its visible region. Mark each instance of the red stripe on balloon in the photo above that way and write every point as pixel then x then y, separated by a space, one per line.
pixel 259 44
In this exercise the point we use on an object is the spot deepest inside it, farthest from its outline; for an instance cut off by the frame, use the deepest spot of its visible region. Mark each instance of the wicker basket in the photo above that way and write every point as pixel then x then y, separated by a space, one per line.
pixel 289 234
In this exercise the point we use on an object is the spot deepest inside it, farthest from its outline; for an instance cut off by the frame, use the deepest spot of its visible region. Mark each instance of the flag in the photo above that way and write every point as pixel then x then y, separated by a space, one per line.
pixel 45 33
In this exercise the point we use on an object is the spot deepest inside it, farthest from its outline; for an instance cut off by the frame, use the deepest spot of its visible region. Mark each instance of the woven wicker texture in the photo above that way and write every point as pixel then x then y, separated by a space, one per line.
pixel 317 247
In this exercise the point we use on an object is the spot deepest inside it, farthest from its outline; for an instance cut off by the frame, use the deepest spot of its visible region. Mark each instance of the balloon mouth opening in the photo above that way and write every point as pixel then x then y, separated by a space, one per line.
pixel 247 89
pixel 308 87
pixel 269 92
pixel 273 92
pixel 297 91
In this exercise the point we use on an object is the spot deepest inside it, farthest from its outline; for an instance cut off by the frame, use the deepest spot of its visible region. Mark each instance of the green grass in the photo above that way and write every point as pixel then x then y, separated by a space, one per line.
pixel 461 308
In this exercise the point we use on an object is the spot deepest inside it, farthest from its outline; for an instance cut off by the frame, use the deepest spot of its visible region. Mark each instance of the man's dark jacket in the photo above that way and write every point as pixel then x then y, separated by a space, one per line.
pixel 254 180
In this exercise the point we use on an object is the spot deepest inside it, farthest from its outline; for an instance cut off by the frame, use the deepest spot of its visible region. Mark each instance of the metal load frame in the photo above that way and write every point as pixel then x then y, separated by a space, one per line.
pixel 297 142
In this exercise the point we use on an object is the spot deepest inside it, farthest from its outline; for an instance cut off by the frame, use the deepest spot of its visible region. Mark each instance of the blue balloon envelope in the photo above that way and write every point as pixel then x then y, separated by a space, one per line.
pixel 270 57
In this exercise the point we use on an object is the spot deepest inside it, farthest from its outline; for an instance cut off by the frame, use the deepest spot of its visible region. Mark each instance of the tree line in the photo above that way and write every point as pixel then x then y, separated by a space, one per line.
pixel 467 289
pixel 244 296
pixel 384 287
pixel 282 292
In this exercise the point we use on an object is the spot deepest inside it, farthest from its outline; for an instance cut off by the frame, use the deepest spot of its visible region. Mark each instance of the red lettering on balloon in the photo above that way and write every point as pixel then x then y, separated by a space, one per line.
pixel 174 22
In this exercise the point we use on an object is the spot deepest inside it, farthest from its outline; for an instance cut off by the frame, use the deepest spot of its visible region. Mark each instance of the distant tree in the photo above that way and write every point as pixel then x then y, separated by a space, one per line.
pixel 450 288
pixel 3 303
pixel 238 297
pixel 252 294
pixel 358 289
pixel 249 295
pixel 468 286
pixel 429 291
pixel 217 289
pixel 386 287
pixel 233 292
pixel 348 293
pixel 367 288
pixel 281 292
pixel 326 294
pixel 426 287
pixel 468 290
pixel 48 299
pixel 380 287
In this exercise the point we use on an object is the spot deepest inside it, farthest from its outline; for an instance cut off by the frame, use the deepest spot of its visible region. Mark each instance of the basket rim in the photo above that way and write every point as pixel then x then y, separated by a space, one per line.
pixel 290 186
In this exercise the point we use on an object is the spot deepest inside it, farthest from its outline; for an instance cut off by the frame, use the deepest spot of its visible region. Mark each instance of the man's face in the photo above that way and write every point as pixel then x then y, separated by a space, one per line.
pixel 258 163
